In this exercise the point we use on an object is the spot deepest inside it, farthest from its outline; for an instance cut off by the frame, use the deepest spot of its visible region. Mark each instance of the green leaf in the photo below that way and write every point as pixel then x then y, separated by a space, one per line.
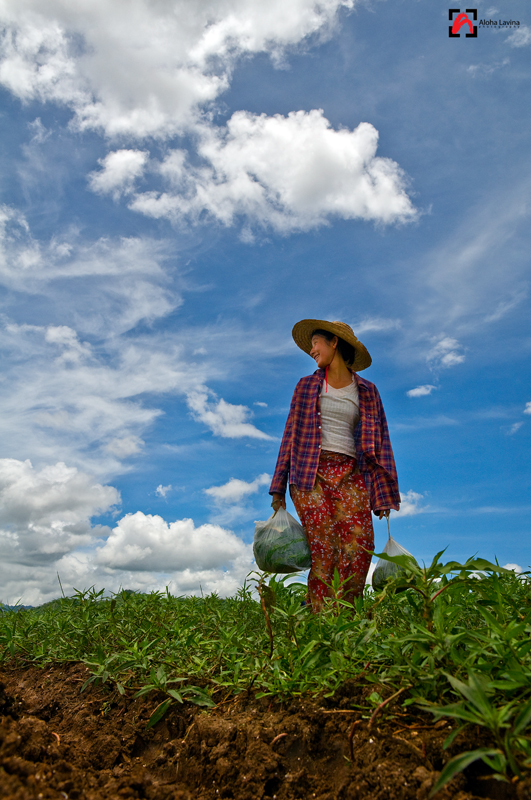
pixel 453 735
pixel 408 562
pixel 459 763
pixel 159 712
pixel 523 719
pixel 474 692
pixel 457 711
pixel 199 697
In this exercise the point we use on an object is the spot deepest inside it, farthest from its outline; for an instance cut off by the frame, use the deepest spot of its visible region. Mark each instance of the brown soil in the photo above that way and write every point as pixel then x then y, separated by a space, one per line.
pixel 56 744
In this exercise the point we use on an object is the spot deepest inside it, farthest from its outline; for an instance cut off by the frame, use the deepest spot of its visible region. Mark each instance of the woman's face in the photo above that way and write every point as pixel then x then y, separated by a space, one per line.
pixel 322 350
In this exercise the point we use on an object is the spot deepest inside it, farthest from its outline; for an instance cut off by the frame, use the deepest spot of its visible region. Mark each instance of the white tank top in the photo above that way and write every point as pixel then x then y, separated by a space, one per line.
pixel 340 414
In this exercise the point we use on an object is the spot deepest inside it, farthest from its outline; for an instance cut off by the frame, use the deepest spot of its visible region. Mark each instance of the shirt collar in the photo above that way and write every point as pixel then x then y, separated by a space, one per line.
pixel 362 383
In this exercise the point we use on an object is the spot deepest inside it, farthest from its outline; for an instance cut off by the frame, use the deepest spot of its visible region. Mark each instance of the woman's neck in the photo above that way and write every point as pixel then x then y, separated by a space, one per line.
pixel 338 374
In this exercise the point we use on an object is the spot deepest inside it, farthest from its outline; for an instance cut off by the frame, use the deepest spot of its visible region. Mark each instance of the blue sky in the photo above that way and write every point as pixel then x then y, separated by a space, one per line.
pixel 181 183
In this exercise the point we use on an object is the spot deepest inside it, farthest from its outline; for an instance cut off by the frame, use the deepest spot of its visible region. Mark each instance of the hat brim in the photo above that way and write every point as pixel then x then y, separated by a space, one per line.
pixel 302 335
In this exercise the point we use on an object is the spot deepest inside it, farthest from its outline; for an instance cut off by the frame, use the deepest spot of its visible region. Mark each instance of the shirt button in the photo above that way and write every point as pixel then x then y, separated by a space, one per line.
pixel 319 427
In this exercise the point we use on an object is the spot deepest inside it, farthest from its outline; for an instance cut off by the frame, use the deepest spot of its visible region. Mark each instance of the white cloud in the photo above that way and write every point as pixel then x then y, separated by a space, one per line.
pixel 235 489
pixel 514 567
pixel 375 324
pixel 508 304
pixel 288 173
pixel 120 170
pixel 421 391
pixel 445 353
pixel 45 529
pixel 424 423
pixel 487 69
pixel 72 350
pixel 46 513
pixel 144 69
pixel 411 504
pixel 514 428
pixel 224 419
pixel 87 405
pixel 162 491
pixel 142 553
pixel 77 391
pixel 124 447
pixel 527 409
pixel 520 37
pixel 151 69
pixel 259 403
pixel 145 542
pixel 461 279
pixel 110 285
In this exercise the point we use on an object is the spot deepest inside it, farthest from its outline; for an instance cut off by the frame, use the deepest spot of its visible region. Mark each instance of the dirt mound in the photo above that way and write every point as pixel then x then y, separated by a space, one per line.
pixel 56 743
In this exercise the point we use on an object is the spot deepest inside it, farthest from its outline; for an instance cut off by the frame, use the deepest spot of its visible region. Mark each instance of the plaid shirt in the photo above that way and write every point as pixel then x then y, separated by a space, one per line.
pixel 301 443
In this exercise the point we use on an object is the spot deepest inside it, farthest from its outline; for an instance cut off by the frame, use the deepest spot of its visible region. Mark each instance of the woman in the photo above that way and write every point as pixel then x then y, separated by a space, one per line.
pixel 337 454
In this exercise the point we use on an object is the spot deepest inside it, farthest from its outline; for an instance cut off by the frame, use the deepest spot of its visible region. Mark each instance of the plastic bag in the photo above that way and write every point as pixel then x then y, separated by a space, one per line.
pixel 280 544
pixel 386 569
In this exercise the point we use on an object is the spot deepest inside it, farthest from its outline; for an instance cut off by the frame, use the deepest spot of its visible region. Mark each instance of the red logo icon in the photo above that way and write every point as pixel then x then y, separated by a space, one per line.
pixel 462 20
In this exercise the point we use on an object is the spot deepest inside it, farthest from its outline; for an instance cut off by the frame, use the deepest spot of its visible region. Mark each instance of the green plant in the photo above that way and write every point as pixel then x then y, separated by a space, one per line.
pixel 447 629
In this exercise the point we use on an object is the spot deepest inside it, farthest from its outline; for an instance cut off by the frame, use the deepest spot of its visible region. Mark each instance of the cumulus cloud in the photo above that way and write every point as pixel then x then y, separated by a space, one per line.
pixel 162 491
pixel 527 409
pixel 45 529
pixel 144 69
pixel 147 542
pixel 236 490
pixel 447 352
pixel 520 37
pixel 45 513
pixel 288 173
pixel 120 170
pixel 150 71
pixel 144 553
pixel 411 504
pixel 514 567
pixel 224 419
pixel 421 391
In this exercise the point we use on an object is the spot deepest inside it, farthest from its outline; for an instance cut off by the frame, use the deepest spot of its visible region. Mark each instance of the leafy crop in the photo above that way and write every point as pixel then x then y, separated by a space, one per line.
pixel 451 638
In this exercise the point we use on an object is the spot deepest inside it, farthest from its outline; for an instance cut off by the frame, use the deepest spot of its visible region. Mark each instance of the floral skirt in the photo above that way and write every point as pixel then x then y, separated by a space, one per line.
pixel 337 517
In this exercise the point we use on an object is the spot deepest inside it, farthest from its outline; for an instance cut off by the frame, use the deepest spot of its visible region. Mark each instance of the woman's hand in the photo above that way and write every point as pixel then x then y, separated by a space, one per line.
pixel 382 514
pixel 278 500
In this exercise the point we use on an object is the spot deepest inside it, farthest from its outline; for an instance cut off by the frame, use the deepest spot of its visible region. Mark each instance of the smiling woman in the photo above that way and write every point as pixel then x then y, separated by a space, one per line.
pixel 337 456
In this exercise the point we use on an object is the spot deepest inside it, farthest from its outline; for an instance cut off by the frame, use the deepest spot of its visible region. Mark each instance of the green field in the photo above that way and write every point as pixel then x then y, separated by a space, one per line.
pixel 454 640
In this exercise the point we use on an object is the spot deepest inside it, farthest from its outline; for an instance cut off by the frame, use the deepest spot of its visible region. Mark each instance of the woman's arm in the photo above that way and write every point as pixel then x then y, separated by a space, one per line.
pixel 375 452
pixel 386 483
pixel 280 476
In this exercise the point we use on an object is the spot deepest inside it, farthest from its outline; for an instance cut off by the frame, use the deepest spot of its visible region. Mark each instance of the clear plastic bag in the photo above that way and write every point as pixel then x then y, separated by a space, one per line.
pixel 386 569
pixel 280 544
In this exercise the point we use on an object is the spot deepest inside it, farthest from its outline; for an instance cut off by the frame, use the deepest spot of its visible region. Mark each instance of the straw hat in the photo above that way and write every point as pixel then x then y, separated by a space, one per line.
pixel 302 334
